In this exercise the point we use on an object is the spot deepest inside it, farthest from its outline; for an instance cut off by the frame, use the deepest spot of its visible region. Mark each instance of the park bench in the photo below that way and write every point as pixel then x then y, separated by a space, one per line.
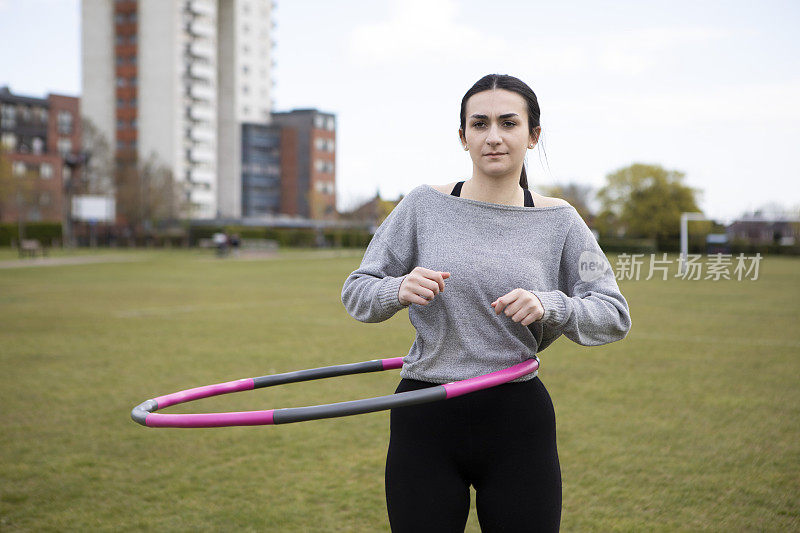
pixel 31 248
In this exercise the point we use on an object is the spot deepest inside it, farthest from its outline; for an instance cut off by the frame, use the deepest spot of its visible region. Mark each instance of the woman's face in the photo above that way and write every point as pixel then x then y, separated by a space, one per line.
pixel 497 132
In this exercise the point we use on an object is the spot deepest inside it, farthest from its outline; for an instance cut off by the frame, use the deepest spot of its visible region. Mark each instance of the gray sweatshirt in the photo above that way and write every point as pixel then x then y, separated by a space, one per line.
pixel 489 249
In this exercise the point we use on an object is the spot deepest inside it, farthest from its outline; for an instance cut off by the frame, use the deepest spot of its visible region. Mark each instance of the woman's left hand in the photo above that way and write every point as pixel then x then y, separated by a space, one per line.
pixel 521 305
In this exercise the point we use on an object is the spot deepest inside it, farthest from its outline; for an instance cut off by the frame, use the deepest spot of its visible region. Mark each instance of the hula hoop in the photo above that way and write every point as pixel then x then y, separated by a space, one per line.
pixel 144 413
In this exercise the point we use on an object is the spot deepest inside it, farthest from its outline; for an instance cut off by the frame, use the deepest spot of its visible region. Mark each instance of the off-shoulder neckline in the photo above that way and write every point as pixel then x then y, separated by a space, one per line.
pixel 491 205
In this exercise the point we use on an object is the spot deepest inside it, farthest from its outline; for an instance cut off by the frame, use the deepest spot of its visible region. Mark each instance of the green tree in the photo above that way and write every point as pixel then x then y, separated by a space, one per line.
pixel 646 201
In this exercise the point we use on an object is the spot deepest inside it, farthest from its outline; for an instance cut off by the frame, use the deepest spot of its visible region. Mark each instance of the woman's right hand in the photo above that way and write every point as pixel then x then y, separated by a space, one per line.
pixel 421 285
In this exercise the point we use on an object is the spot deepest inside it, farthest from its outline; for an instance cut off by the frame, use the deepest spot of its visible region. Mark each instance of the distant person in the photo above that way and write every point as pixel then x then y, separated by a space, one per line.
pixel 221 243
pixel 518 275
pixel 234 242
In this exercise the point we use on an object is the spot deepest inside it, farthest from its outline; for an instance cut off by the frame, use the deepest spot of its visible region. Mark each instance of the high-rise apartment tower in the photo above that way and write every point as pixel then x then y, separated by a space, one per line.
pixel 176 79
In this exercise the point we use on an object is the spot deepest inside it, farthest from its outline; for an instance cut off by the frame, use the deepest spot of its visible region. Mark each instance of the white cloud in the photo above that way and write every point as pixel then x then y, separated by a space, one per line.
pixel 637 51
pixel 735 104
pixel 421 32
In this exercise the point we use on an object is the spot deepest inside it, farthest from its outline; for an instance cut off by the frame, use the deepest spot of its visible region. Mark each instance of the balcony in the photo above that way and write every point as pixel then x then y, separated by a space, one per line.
pixel 201 70
pixel 200 7
pixel 201 112
pixel 202 49
pixel 202 155
pixel 201 134
pixel 202 176
pixel 202 92
pixel 202 29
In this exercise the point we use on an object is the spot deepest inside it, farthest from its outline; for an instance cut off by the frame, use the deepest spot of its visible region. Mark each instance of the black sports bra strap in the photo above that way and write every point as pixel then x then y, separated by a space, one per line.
pixel 528 196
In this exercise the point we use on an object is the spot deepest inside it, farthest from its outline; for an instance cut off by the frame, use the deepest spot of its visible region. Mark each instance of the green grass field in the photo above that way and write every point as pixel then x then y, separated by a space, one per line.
pixel 692 423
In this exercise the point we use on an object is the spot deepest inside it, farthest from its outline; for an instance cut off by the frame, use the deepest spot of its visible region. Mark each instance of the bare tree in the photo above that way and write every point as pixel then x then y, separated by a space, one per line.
pixel 148 197
pixel 98 171
pixel 578 195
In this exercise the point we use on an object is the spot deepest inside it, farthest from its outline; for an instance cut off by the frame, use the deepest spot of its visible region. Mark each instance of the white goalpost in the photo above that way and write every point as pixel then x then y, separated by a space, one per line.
pixel 685 218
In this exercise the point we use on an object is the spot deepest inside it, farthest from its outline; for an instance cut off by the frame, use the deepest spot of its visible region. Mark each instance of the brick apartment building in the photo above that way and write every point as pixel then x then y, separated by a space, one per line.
pixel 289 166
pixel 41 140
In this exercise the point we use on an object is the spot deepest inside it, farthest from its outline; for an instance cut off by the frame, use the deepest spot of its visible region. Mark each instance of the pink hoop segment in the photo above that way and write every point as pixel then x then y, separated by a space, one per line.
pixel 144 413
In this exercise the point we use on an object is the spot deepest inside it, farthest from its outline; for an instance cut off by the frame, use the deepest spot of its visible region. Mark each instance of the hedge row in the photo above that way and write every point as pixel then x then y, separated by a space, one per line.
pixel 288 237
pixel 49 233
pixel 44 232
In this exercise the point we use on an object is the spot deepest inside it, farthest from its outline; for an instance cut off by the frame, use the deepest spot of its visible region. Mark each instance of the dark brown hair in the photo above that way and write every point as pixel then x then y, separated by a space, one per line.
pixel 509 83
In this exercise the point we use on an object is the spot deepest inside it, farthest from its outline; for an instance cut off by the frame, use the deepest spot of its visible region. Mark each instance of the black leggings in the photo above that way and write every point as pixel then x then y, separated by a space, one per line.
pixel 501 440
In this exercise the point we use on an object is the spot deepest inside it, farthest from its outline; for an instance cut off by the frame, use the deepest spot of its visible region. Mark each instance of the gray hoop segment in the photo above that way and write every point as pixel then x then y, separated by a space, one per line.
pixel 144 413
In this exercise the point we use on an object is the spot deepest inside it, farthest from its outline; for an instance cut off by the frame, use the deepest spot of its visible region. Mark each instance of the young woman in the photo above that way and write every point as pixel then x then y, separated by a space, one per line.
pixel 520 270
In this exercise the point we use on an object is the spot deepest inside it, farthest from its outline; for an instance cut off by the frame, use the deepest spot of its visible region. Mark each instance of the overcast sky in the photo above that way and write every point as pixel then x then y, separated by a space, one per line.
pixel 708 88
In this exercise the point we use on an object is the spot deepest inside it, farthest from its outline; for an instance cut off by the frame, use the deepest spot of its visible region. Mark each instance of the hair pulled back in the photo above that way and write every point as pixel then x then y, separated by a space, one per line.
pixel 508 83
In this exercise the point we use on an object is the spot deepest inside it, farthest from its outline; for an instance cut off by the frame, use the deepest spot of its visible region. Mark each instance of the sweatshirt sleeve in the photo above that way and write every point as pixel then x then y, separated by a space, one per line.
pixel 370 293
pixel 588 308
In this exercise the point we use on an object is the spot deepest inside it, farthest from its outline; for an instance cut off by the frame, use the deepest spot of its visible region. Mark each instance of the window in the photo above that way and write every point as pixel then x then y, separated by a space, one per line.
pixel 324 187
pixel 9 116
pixel 64 147
pixel 319 143
pixel 245 69
pixel 245 89
pixel 66 172
pixel 8 141
pixel 122 82
pixel 19 168
pixel 46 171
pixel 331 124
pixel 319 121
pixel 26 114
pixel 64 122
pixel 38 145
